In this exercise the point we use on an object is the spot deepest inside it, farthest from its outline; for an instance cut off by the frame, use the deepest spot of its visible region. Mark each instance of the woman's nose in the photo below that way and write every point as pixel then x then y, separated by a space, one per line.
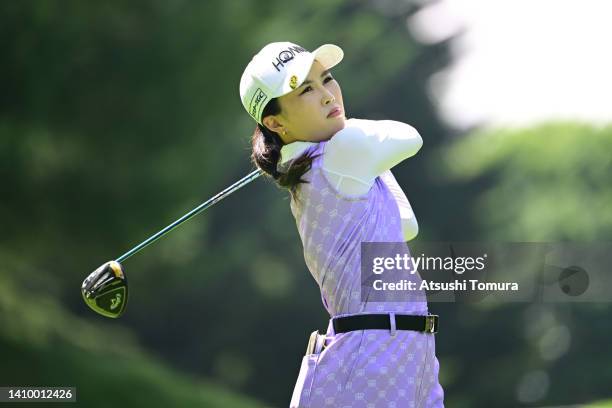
pixel 328 97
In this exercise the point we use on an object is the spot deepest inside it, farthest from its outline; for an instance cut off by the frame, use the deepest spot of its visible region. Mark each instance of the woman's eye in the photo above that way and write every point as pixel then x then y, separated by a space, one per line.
pixel 308 88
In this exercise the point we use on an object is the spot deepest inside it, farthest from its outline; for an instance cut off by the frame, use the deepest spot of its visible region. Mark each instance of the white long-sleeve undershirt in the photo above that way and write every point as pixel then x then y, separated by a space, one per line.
pixel 360 152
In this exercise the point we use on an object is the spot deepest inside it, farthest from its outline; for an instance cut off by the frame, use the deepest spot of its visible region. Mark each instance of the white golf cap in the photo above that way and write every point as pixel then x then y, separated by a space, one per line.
pixel 278 69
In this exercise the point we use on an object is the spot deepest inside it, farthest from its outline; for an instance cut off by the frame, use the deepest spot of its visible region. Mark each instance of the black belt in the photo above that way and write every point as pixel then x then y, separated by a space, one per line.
pixel 428 324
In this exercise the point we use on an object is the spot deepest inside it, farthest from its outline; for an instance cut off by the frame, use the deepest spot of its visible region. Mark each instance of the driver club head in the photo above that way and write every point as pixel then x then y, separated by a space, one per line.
pixel 105 290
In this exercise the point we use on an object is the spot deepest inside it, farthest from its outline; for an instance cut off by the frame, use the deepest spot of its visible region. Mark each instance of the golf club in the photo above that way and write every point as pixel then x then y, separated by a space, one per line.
pixel 105 290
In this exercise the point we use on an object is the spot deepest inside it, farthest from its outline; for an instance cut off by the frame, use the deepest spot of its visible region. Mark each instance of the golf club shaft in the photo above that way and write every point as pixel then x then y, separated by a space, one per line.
pixel 240 183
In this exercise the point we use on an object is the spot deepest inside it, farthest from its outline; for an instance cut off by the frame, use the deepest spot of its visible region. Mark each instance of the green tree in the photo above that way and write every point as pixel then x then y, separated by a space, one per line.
pixel 550 182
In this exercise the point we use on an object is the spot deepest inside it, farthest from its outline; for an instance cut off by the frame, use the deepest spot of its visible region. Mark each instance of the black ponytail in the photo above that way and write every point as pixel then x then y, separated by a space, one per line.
pixel 266 154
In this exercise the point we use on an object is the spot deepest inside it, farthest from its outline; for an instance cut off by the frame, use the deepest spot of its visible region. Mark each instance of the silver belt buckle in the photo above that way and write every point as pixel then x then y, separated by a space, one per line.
pixel 431 324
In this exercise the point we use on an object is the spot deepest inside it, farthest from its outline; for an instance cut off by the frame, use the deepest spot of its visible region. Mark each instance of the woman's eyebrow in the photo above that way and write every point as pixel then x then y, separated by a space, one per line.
pixel 308 81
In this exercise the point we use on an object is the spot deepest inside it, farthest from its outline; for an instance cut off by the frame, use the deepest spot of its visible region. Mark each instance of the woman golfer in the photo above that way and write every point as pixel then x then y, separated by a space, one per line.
pixel 374 353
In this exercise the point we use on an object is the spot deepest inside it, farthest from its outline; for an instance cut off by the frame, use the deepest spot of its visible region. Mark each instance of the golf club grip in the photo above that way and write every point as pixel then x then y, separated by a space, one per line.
pixel 211 201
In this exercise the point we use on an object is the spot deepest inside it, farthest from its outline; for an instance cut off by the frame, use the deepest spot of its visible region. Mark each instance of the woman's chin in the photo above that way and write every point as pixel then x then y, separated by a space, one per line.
pixel 329 132
pixel 340 124
pixel 333 133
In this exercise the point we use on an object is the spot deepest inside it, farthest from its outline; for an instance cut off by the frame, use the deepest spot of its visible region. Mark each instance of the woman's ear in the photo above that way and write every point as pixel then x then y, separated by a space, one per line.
pixel 273 124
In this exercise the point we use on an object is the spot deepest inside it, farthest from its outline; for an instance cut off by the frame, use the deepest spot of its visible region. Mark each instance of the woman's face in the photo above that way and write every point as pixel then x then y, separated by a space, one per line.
pixel 305 111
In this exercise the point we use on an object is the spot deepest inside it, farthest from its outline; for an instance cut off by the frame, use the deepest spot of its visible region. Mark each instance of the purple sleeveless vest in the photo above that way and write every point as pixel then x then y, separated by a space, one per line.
pixel 332 227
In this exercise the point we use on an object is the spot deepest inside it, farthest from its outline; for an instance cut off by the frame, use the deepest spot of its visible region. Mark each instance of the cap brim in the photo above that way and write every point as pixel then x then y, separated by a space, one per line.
pixel 328 55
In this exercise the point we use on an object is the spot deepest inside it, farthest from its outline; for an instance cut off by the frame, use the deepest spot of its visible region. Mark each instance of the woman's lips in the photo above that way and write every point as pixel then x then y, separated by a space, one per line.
pixel 335 112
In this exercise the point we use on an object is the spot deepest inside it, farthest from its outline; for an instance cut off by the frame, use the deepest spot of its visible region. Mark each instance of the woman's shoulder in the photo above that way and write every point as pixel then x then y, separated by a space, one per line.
pixel 293 151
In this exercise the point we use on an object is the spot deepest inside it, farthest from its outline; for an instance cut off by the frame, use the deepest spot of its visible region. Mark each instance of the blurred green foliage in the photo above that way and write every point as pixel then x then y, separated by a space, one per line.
pixel 545 183
pixel 43 344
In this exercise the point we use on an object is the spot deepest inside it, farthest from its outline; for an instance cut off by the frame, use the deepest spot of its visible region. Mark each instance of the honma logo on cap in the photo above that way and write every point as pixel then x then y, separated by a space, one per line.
pixel 287 55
